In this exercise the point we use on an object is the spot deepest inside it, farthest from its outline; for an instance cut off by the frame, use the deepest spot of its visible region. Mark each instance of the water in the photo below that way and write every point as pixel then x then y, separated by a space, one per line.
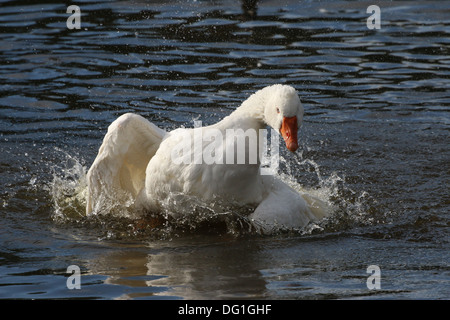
pixel 374 144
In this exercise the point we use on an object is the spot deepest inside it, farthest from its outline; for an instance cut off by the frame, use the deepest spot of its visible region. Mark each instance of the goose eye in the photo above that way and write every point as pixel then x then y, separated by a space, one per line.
pixel 278 110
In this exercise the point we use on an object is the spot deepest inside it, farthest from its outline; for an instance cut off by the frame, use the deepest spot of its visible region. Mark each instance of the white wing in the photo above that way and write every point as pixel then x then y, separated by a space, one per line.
pixel 119 169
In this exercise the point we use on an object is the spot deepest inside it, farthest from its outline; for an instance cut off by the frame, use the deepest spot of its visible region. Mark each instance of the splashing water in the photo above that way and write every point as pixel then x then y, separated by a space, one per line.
pixel 68 188
pixel 344 207
pixel 337 206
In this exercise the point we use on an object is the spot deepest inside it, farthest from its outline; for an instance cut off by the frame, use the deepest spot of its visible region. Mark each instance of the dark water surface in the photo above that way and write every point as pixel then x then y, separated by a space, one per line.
pixel 375 143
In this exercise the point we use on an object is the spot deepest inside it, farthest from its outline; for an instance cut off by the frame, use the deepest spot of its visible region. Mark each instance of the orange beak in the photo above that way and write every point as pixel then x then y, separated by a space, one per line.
pixel 288 131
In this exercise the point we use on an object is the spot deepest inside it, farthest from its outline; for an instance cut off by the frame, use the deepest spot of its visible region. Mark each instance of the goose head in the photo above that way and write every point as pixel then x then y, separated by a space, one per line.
pixel 283 111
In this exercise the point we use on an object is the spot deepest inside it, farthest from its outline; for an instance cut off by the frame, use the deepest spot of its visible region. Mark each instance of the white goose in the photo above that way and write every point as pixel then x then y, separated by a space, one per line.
pixel 138 162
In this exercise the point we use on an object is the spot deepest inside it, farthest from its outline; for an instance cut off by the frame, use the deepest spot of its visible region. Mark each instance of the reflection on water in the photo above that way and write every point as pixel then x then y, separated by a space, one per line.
pixel 188 270
pixel 374 142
